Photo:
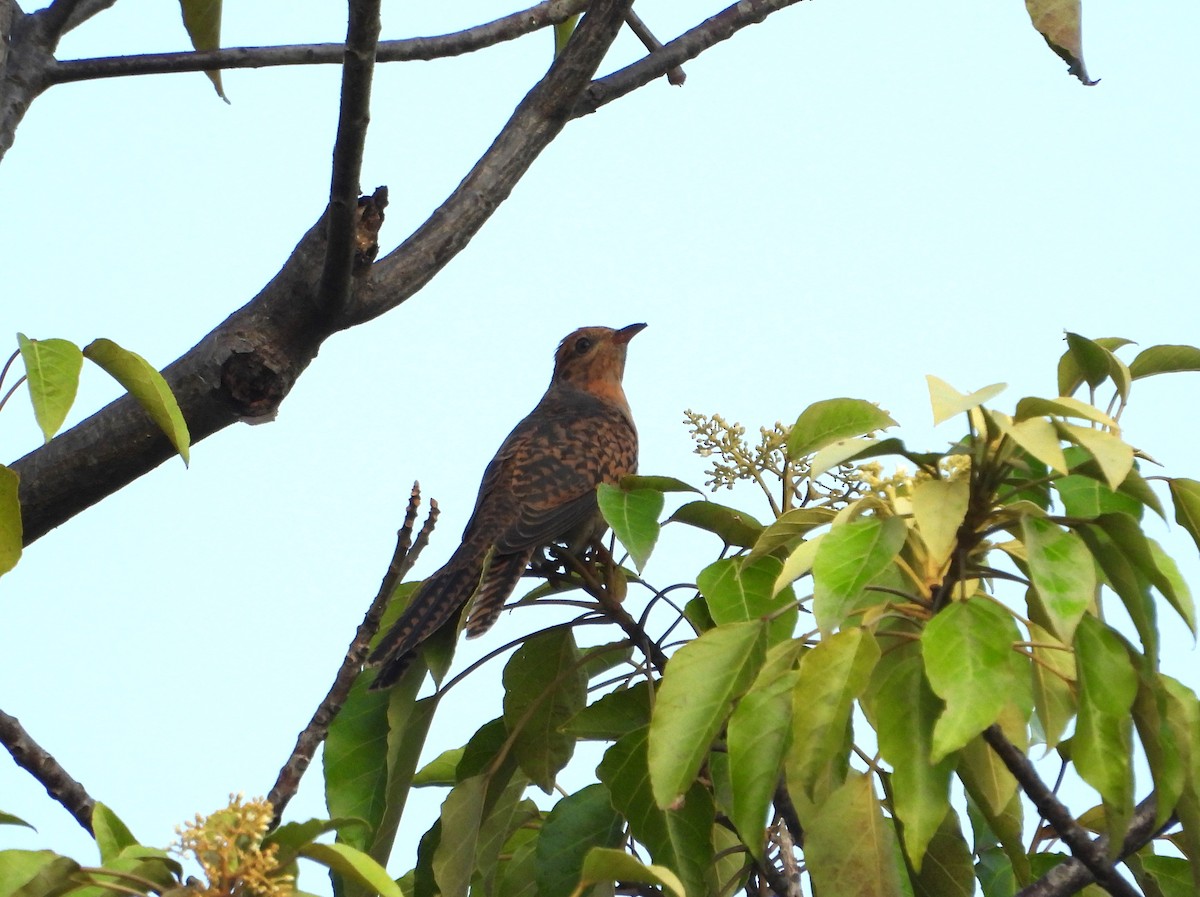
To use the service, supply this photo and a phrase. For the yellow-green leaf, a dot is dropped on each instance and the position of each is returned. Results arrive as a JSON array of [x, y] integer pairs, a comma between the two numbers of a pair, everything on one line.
[[353, 865], [1037, 436], [948, 402], [939, 507], [849, 847], [1164, 360], [788, 529], [1063, 406], [52, 369], [1058, 21], [147, 386], [850, 557], [604, 864], [202, 19], [1112, 454], [11, 537]]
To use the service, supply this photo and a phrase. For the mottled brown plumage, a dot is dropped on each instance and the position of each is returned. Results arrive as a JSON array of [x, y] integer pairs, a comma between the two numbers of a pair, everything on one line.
[[539, 490]]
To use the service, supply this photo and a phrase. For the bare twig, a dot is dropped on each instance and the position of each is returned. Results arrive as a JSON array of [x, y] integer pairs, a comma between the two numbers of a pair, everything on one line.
[[510, 27], [314, 733], [35, 760], [362, 36], [675, 76], [1091, 853], [62, 15]]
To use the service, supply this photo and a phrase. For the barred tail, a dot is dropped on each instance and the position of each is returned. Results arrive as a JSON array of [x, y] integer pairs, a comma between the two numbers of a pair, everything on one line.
[[436, 600], [499, 580]]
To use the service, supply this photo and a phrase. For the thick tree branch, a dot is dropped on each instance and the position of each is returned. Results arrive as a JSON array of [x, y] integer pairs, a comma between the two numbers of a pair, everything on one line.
[[1072, 875], [245, 367], [314, 733], [63, 15], [510, 27], [35, 760], [362, 36], [1092, 854]]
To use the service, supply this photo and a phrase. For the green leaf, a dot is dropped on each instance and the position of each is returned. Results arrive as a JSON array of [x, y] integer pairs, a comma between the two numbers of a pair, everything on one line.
[[1091, 359], [1086, 497], [759, 731], [614, 714], [1185, 494], [695, 698], [1007, 827], [462, 814], [1165, 360], [940, 506], [291, 836], [733, 526], [948, 402], [1180, 595], [147, 386], [903, 709], [353, 865], [202, 19], [850, 557], [112, 835], [606, 865], [35, 873], [408, 722], [947, 870], [1129, 538], [972, 666], [849, 847], [517, 875], [355, 756], [1053, 681], [544, 687], [1130, 585], [832, 677], [441, 770], [577, 824], [680, 838], [739, 590], [11, 532], [789, 529], [1062, 571], [52, 367], [823, 423], [1164, 752], [633, 517], [1103, 744], [633, 481], [840, 452], [10, 819], [1173, 875]]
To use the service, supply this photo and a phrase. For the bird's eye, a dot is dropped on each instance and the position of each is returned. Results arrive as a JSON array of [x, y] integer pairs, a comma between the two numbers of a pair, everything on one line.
[[582, 345]]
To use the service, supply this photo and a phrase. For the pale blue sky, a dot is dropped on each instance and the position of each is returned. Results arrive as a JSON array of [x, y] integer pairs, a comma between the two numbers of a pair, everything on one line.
[[840, 201]]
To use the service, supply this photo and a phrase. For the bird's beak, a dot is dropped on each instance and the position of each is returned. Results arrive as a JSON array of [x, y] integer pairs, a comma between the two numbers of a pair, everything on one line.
[[625, 334]]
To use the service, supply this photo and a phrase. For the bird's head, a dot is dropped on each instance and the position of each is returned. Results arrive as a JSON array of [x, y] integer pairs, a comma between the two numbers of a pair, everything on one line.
[[593, 359]]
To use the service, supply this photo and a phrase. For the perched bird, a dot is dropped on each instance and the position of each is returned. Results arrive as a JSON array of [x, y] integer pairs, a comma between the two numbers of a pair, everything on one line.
[[539, 490]]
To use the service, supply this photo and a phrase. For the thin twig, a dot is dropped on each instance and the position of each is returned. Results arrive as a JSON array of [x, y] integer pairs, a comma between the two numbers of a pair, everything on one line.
[[38, 762], [510, 27], [1091, 853], [687, 46], [341, 218], [314, 733], [675, 76]]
